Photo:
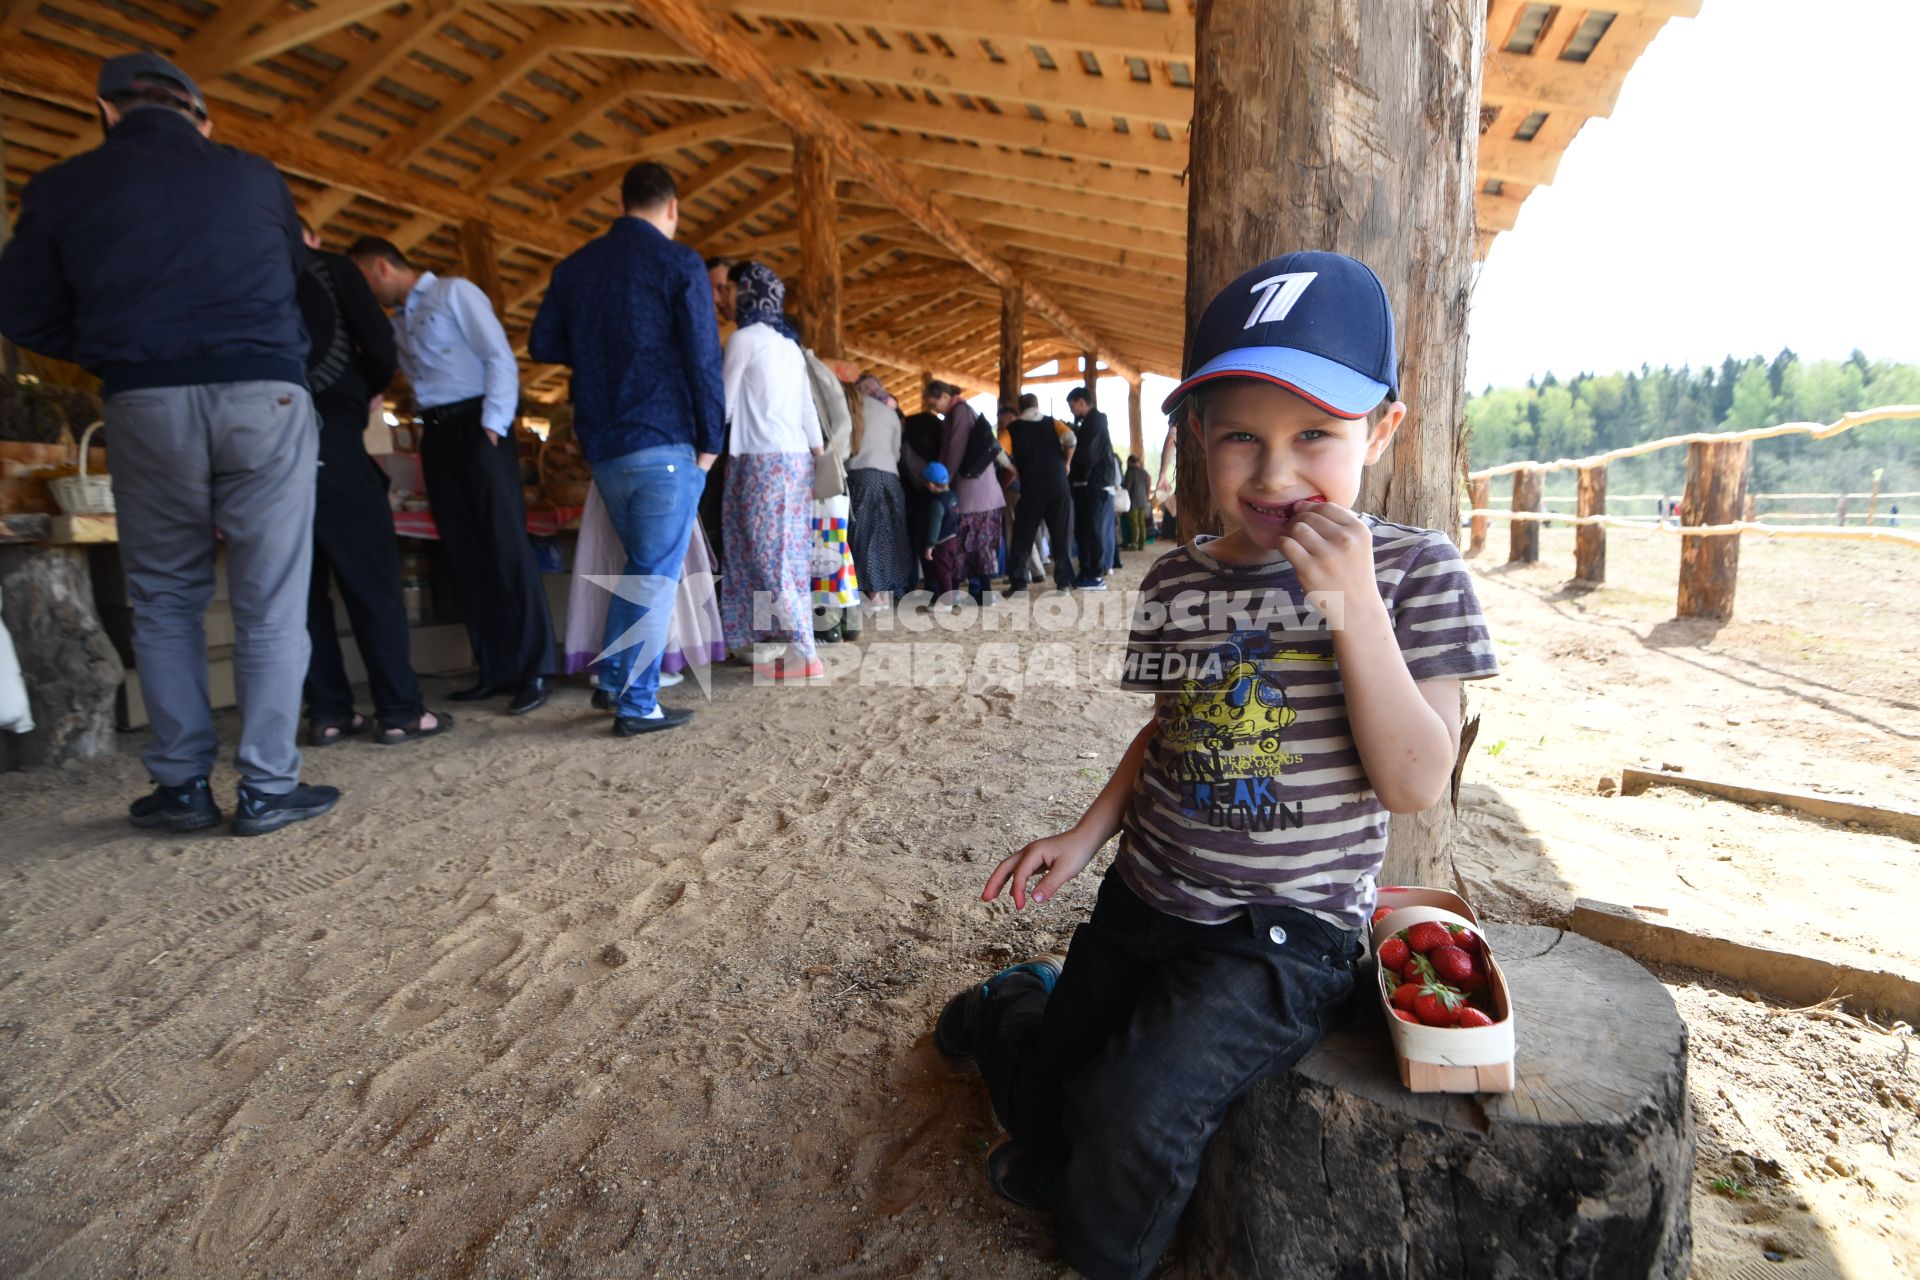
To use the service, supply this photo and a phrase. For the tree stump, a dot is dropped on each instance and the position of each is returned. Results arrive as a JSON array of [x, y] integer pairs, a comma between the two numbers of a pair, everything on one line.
[[71, 668], [1584, 1171]]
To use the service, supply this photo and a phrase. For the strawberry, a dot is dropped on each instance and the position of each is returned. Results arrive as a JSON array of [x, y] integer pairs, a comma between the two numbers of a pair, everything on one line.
[[1454, 966], [1468, 1016], [1464, 938], [1404, 995], [1381, 914], [1437, 1005], [1427, 935], [1404, 1016], [1417, 969], [1393, 954]]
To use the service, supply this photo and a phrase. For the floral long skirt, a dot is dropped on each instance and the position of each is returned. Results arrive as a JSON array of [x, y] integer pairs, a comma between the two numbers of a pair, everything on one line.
[[766, 517], [980, 543], [882, 549]]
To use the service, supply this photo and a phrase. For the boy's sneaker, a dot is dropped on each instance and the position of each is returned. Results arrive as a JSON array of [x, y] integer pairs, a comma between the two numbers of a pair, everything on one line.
[[258, 813], [184, 808], [953, 1033], [1091, 584], [1020, 1176]]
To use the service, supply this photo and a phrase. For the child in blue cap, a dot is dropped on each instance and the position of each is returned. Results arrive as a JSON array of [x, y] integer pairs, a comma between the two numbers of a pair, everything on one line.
[[1306, 668], [940, 535]]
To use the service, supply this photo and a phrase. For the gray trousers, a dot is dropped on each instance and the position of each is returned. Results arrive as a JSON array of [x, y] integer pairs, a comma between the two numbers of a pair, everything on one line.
[[239, 457]]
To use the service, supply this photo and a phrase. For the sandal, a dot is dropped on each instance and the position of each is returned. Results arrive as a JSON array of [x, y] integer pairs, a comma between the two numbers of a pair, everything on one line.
[[392, 735], [324, 733], [787, 671]]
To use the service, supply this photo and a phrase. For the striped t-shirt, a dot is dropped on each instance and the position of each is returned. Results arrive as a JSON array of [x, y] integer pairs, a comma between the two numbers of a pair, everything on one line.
[[1252, 789]]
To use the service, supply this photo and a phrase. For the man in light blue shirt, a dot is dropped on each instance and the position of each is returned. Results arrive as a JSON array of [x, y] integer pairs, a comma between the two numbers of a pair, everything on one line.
[[466, 385]]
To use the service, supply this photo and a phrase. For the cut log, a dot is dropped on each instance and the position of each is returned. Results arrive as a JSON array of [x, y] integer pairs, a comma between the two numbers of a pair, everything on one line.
[[1590, 540], [1585, 1170], [71, 669], [1716, 494]]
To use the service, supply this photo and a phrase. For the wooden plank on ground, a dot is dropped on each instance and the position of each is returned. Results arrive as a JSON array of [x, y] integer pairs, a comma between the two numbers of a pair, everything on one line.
[[1904, 822]]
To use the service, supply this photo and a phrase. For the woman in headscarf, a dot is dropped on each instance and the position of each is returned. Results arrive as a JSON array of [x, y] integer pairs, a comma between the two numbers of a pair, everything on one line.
[[773, 437], [882, 551]]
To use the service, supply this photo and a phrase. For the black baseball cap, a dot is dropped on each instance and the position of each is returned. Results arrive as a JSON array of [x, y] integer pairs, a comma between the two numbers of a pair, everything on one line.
[[1318, 324], [117, 75]]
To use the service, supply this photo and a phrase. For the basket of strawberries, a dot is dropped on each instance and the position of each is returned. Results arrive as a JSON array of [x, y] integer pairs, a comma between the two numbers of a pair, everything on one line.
[[1444, 995]]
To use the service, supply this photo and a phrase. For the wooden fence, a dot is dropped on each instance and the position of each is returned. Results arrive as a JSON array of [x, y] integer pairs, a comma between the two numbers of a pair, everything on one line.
[[1715, 508]]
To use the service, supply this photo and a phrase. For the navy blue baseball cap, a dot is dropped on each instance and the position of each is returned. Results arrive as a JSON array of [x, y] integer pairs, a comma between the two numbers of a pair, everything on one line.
[[1318, 324], [119, 74]]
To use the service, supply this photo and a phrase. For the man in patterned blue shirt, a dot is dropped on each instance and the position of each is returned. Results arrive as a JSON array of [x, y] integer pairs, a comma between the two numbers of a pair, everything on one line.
[[632, 314]]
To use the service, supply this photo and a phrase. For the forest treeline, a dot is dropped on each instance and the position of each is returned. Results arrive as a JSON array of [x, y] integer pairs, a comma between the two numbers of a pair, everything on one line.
[[1592, 413]]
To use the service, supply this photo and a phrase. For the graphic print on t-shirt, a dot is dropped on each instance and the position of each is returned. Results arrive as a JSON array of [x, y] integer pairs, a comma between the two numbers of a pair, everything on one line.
[[1228, 735]]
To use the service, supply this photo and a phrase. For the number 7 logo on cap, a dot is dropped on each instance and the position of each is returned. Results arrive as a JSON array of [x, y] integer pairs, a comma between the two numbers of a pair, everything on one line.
[[1278, 294]]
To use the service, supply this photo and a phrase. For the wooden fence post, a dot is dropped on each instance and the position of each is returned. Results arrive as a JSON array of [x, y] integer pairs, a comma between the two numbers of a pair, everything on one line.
[[1716, 493], [1523, 536], [1873, 498], [1590, 540], [1479, 497], [1840, 513]]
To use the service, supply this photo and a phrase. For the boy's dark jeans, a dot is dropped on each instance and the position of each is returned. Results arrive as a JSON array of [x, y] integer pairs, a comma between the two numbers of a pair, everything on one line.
[[1156, 1025]]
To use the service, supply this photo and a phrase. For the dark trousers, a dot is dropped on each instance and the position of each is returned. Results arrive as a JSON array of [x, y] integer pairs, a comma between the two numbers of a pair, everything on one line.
[[474, 489], [354, 544], [1033, 510], [944, 566], [1093, 524], [1121, 1078]]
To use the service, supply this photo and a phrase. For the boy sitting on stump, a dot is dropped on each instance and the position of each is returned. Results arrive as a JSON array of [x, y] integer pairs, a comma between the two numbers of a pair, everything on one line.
[[1307, 669]]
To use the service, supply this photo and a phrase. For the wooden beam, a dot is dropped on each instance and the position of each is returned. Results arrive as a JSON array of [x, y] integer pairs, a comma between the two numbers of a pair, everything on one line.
[[458, 107], [819, 210], [906, 284], [861, 348], [736, 127], [1020, 132], [1498, 213], [787, 96], [1125, 184], [1511, 160], [735, 217], [837, 56], [790, 234], [283, 33], [209, 53], [541, 138], [1583, 88], [1106, 32], [34, 67], [363, 72]]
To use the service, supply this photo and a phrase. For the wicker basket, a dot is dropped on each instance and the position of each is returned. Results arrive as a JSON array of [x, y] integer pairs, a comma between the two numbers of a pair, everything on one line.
[[84, 495]]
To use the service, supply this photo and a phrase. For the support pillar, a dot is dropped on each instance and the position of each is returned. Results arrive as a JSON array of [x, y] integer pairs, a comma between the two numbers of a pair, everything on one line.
[[1523, 536], [819, 214], [1716, 493], [1590, 540], [1090, 375], [482, 262], [1136, 434], [1480, 498], [1013, 325], [1282, 89]]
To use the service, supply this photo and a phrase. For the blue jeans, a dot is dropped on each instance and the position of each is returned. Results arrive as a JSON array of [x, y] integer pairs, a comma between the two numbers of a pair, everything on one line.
[[652, 497], [1117, 1082]]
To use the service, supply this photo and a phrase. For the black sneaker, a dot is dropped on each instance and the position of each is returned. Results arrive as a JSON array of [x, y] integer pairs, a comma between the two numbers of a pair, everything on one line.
[[184, 808], [258, 813], [953, 1033], [1021, 1176], [634, 726]]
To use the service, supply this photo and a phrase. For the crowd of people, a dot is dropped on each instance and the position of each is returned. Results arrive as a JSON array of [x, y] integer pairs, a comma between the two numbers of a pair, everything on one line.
[[240, 361]]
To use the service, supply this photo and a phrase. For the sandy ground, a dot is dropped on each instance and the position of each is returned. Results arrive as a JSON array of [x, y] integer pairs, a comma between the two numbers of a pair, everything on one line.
[[536, 1001]]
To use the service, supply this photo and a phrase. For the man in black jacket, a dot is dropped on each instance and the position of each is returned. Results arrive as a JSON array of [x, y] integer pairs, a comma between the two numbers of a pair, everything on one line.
[[351, 362], [1041, 448], [165, 264], [1090, 475]]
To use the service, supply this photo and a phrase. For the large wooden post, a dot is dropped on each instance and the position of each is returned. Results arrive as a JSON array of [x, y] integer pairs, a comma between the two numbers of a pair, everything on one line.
[[1590, 540], [819, 208], [1308, 136], [1716, 494], [1090, 375], [1523, 536], [482, 261], [1013, 359], [1136, 433], [9, 356], [1480, 498]]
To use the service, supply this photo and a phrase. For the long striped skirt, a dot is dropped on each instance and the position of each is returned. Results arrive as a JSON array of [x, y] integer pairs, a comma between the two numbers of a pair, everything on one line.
[[766, 515]]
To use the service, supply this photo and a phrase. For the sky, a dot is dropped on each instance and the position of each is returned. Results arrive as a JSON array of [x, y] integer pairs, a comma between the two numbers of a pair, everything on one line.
[[1754, 188]]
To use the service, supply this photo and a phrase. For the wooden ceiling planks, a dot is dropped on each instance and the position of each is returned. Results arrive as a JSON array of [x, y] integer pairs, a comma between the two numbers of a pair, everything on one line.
[[1047, 135]]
